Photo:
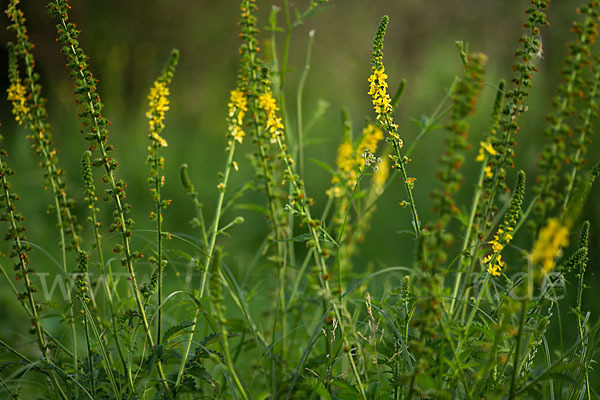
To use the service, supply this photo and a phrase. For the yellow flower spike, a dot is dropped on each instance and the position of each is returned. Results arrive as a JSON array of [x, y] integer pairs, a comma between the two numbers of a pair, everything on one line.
[[274, 125], [17, 96], [549, 244], [345, 161], [237, 107], [158, 105]]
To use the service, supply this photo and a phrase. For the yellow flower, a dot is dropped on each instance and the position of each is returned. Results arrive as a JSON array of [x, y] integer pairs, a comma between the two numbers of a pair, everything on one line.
[[488, 172], [158, 106], [349, 158], [495, 268], [237, 107], [549, 244], [345, 161], [159, 139], [16, 95], [487, 147], [378, 91], [274, 125], [370, 138]]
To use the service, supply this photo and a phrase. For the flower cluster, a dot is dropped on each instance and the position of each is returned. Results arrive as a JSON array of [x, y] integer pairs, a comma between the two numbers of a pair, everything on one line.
[[350, 158], [504, 234], [383, 107], [237, 108], [159, 100], [159, 105], [274, 126], [370, 138], [378, 85], [16, 95], [488, 148], [81, 277], [549, 244], [378, 92]]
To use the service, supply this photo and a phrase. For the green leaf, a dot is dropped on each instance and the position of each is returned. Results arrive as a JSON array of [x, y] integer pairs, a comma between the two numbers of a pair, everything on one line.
[[252, 207], [175, 330], [318, 387], [323, 165]]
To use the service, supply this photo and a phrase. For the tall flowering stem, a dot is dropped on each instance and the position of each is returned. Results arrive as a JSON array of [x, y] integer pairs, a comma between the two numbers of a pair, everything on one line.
[[504, 233], [383, 108], [158, 99], [575, 86], [237, 109], [19, 252], [464, 100], [29, 108], [97, 133], [89, 192], [265, 125], [514, 105], [498, 148], [269, 128]]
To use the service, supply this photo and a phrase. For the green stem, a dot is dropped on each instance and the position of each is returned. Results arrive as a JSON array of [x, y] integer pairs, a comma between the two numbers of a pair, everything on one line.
[[408, 185], [468, 231], [299, 94], [159, 208], [217, 218], [515, 371], [90, 356], [472, 314], [211, 247], [322, 267]]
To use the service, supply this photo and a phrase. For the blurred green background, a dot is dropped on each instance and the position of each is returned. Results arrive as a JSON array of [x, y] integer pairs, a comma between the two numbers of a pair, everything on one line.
[[128, 43]]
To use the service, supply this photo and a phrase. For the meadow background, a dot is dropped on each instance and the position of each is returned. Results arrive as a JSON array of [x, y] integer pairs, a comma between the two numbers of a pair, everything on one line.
[[129, 42]]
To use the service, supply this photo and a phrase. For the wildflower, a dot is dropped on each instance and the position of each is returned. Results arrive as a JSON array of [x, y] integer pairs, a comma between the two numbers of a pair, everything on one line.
[[378, 91], [159, 105], [350, 159], [345, 161], [17, 95], [495, 265], [274, 125], [371, 137], [504, 234], [487, 147], [549, 244], [238, 105]]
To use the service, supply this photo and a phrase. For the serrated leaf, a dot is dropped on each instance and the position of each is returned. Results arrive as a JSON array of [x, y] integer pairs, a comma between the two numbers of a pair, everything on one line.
[[175, 330]]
